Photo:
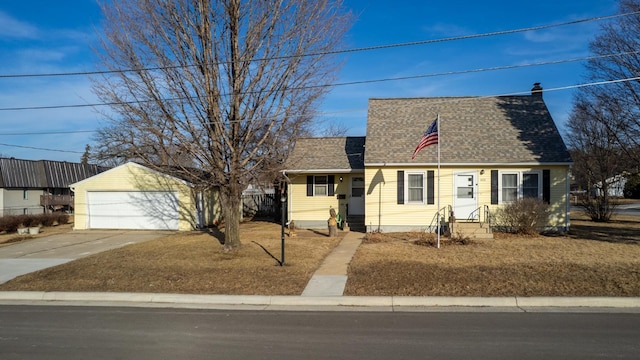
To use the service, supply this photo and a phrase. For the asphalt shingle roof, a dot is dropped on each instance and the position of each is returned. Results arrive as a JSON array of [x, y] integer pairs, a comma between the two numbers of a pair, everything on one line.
[[500, 129], [327, 153]]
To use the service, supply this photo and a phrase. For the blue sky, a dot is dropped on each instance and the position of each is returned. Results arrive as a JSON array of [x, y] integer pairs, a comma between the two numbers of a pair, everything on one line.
[[41, 36]]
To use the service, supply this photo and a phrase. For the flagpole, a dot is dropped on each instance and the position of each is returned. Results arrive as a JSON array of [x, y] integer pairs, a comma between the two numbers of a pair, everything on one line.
[[439, 139]]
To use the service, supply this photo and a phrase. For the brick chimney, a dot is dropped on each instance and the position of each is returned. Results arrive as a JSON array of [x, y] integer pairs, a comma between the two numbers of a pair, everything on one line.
[[536, 90]]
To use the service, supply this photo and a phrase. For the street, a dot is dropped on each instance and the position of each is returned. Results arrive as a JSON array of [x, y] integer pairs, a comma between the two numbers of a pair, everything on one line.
[[57, 332]]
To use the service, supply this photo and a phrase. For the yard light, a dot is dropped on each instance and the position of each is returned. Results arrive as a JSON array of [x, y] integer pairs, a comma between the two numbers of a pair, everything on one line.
[[283, 198]]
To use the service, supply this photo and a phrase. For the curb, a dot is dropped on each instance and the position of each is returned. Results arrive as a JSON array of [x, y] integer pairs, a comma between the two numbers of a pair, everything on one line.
[[301, 303]]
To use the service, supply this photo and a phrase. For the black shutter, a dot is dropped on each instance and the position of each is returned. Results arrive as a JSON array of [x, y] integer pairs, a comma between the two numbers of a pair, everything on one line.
[[331, 180], [400, 187], [309, 185], [430, 187], [546, 186], [494, 187]]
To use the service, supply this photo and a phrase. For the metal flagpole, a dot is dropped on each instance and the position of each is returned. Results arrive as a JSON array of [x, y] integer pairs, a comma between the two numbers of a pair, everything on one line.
[[439, 216]]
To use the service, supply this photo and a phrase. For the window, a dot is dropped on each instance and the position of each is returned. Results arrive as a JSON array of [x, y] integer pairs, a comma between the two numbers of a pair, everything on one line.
[[509, 187], [415, 187], [25, 194], [320, 186], [530, 184], [517, 185]]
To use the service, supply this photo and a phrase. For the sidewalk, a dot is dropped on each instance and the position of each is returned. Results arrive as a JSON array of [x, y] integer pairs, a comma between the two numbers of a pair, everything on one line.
[[331, 277]]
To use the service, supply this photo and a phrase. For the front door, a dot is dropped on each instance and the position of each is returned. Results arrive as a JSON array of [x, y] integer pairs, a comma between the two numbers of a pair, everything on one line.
[[356, 200], [465, 196]]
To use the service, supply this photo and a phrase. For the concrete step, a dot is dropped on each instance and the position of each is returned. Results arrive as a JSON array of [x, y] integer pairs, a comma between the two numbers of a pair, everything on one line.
[[471, 230]]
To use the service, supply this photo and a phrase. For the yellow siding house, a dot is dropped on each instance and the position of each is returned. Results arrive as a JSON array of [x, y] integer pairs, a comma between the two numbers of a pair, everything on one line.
[[490, 152]]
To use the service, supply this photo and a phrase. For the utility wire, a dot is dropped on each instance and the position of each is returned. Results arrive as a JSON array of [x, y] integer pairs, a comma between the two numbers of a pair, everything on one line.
[[443, 99], [349, 83], [360, 49], [39, 148]]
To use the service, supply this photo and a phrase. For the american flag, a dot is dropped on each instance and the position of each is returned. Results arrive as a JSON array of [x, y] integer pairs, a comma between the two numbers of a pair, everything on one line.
[[430, 137]]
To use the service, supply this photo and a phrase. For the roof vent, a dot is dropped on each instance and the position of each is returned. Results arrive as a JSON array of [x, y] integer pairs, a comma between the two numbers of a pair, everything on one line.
[[536, 90]]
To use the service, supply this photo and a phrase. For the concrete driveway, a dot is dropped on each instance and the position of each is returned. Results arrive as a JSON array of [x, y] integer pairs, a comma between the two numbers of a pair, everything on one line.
[[37, 254]]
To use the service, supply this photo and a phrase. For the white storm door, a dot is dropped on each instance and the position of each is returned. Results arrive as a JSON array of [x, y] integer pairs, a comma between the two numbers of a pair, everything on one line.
[[133, 210], [465, 196], [356, 200]]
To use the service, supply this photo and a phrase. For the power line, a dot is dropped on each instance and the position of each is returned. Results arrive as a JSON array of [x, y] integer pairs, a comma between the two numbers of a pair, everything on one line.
[[447, 99], [360, 82], [39, 148], [48, 132], [359, 49]]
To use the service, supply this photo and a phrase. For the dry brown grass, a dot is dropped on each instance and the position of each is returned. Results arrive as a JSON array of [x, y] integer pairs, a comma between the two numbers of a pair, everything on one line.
[[192, 263], [594, 260], [10, 238]]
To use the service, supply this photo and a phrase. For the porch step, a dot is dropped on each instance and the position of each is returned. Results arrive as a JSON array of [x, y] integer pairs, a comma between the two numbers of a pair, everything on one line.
[[472, 230], [356, 223]]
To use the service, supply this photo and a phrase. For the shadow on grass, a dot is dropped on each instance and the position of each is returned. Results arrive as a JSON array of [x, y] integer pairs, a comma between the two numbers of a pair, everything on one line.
[[622, 232], [216, 233]]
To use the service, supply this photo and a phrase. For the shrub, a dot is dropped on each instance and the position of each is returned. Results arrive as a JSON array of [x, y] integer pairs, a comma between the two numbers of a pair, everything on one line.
[[62, 218], [524, 216], [632, 187], [598, 208], [10, 223]]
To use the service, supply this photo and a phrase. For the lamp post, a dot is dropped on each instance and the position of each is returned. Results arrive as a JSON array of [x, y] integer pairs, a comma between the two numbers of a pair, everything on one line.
[[283, 198]]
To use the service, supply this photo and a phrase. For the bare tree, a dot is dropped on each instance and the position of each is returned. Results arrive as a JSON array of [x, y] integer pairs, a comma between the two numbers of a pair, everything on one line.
[[223, 86], [620, 37], [335, 129], [596, 153]]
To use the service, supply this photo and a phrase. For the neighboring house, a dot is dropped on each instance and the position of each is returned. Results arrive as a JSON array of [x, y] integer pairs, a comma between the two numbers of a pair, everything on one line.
[[493, 150], [132, 196], [615, 186], [35, 187]]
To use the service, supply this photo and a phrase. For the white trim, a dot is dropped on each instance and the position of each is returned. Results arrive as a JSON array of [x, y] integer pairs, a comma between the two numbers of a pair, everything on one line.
[[468, 164], [519, 179], [423, 173], [323, 171], [130, 163], [326, 185]]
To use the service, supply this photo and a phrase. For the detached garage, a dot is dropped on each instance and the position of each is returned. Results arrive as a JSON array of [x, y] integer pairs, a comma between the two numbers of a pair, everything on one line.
[[132, 196]]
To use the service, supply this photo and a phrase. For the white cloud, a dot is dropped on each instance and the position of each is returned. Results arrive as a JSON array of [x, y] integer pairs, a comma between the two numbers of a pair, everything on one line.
[[13, 28]]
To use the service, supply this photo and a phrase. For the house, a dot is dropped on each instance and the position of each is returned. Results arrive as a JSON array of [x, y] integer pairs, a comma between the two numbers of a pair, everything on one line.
[[493, 150], [615, 186], [35, 187], [326, 173], [132, 196]]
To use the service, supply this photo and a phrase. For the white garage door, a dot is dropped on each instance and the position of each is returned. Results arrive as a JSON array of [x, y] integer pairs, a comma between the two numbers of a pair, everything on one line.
[[133, 210]]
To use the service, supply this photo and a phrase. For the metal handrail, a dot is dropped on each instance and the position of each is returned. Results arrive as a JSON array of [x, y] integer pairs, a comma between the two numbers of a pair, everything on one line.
[[436, 216], [472, 215], [487, 217]]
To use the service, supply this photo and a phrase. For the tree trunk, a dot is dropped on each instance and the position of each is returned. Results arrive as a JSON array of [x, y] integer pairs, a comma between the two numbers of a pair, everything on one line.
[[231, 210]]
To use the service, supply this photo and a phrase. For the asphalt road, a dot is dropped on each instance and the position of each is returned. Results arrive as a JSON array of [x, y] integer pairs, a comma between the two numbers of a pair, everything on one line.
[[40, 332]]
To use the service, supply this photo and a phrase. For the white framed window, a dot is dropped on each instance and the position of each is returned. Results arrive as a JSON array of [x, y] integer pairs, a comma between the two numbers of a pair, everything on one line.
[[518, 184], [320, 184], [509, 187], [531, 185], [25, 194], [415, 184]]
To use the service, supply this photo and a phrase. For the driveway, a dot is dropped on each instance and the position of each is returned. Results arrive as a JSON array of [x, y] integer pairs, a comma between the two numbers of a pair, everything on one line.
[[37, 254]]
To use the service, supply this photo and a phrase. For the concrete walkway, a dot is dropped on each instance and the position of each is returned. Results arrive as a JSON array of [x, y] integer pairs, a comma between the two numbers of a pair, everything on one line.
[[331, 277], [37, 254]]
